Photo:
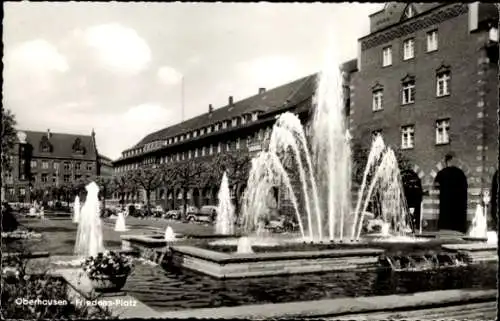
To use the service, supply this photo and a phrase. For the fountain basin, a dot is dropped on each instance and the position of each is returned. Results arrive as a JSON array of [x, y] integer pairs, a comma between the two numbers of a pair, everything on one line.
[[475, 252], [225, 266]]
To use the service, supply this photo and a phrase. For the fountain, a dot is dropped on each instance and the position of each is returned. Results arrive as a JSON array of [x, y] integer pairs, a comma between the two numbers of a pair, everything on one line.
[[317, 179], [169, 234], [120, 223], [479, 228], [76, 209], [244, 245], [89, 240], [224, 224]]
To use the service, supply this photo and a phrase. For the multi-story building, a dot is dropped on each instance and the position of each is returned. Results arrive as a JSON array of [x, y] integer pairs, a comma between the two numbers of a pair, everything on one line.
[[426, 80], [43, 159], [106, 165], [240, 126]]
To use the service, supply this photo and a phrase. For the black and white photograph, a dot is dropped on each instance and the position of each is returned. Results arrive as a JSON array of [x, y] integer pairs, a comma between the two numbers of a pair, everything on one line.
[[252, 161]]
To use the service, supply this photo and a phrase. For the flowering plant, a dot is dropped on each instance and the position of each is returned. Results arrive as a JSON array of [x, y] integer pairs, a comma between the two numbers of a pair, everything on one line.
[[108, 263]]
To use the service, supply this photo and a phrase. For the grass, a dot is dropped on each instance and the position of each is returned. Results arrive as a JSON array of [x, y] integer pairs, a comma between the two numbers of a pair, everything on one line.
[[58, 236]]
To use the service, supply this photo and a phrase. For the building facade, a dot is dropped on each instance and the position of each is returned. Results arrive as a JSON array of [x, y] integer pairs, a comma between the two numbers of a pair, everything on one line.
[[44, 159], [427, 81]]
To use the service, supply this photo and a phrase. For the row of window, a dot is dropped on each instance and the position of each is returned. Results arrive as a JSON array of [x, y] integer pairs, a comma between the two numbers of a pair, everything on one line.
[[211, 149], [408, 134], [409, 48], [45, 178], [236, 121], [443, 80], [67, 166]]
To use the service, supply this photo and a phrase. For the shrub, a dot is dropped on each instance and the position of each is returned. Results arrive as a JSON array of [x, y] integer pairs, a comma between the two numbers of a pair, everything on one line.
[[18, 285], [108, 263]]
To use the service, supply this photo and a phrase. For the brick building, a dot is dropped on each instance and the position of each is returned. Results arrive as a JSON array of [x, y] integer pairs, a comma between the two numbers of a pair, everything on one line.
[[427, 81], [44, 159], [239, 127]]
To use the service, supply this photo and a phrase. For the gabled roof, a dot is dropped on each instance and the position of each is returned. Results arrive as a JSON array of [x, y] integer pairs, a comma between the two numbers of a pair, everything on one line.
[[270, 100], [62, 145]]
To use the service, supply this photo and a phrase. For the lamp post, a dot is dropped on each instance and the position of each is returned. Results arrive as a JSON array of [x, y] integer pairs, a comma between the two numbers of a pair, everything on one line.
[[486, 202], [413, 221]]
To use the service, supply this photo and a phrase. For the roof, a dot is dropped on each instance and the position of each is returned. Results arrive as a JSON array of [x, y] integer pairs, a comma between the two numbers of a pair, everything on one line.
[[61, 145], [102, 157], [293, 93]]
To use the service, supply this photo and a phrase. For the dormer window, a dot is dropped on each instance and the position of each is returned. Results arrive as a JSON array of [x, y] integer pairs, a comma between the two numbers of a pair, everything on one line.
[[188, 135], [202, 131], [175, 139], [217, 126], [45, 145], [235, 122], [224, 124], [409, 12], [78, 146], [254, 116]]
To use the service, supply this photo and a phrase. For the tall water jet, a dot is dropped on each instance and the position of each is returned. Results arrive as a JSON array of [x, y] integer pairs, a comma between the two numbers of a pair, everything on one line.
[[316, 173], [89, 240], [76, 209], [479, 228], [225, 219], [120, 225]]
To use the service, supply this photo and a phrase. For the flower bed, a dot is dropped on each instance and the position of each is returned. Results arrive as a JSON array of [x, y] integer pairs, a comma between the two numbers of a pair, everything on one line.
[[20, 235], [108, 271]]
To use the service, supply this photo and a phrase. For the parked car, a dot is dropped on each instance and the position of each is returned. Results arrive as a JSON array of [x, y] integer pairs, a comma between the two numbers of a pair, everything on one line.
[[209, 210], [282, 224], [206, 214], [172, 214], [158, 211]]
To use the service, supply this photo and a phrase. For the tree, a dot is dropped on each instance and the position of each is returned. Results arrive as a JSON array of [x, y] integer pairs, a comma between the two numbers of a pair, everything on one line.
[[121, 185], [105, 186], [237, 167], [186, 175], [9, 137], [149, 179]]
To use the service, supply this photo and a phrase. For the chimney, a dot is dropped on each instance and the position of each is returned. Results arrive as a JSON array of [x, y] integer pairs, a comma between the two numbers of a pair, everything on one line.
[[48, 133], [262, 90], [230, 100], [210, 108]]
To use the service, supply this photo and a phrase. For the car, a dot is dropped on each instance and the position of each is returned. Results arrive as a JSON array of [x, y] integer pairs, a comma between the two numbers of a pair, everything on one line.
[[158, 211], [172, 214], [282, 224], [207, 213]]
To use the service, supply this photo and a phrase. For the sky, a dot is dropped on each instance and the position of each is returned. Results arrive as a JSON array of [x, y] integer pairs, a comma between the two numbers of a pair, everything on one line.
[[118, 68]]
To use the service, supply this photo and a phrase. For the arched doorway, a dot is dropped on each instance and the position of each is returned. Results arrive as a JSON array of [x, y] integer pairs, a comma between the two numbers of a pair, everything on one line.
[[452, 185], [412, 186], [494, 202]]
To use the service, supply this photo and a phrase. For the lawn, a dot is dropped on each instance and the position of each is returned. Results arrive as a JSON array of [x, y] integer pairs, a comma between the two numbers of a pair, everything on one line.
[[59, 234]]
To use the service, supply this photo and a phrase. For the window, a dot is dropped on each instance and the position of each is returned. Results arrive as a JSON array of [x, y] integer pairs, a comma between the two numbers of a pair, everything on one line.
[[443, 84], [89, 166], [219, 147], [209, 129], [442, 131], [217, 127], [66, 178], [237, 143], [409, 12], [22, 191], [67, 166], [224, 124], [378, 98], [190, 154], [44, 178], [228, 146], [78, 177], [33, 163], [196, 152], [432, 41], [493, 34], [77, 166], [203, 151], [407, 137], [211, 150], [175, 139], [202, 131], [408, 95], [408, 49], [235, 122], [56, 165], [45, 164], [54, 178], [387, 56]]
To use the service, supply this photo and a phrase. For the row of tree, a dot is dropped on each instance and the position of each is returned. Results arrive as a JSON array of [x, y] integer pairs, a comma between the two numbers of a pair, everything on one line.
[[181, 175]]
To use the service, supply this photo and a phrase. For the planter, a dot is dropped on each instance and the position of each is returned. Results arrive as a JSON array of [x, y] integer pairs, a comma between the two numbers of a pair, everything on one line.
[[108, 283]]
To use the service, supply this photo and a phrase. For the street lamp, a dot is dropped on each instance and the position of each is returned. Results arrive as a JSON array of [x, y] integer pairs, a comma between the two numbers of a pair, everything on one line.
[[486, 202]]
